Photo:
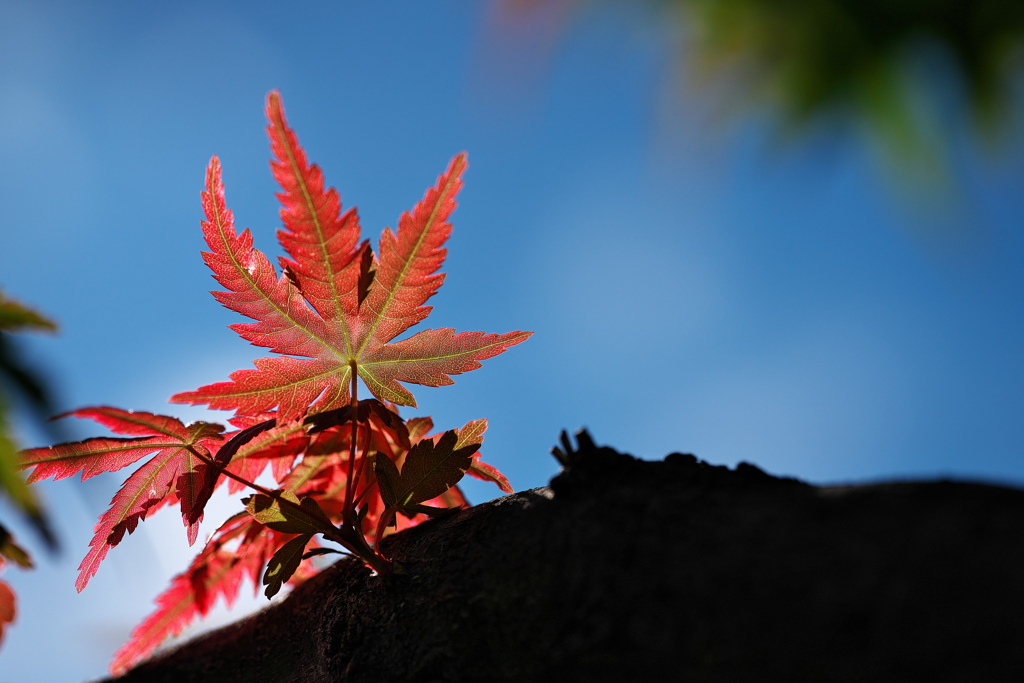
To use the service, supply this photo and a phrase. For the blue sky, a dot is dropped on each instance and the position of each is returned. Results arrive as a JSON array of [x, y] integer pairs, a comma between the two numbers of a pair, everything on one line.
[[692, 285]]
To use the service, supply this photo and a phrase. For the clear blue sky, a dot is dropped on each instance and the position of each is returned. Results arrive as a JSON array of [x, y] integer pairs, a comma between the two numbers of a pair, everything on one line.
[[692, 286]]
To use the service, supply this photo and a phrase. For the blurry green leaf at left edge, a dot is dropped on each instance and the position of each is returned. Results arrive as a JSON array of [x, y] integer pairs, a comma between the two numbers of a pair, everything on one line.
[[15, 317], [10, 481], [15, 487], [17, 376]]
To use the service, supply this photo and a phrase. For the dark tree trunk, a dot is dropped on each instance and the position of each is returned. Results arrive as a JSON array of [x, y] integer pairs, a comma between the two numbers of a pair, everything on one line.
[[628, 570]]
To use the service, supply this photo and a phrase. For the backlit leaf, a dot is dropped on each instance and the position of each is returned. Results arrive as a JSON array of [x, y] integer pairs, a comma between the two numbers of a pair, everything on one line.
[[299, 517], [473, 433], [284, 563], [431, 469], [333, 318], [174, 468]]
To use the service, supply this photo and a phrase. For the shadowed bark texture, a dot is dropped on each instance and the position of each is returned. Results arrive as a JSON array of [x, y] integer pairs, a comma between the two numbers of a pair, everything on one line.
[[626, 570]]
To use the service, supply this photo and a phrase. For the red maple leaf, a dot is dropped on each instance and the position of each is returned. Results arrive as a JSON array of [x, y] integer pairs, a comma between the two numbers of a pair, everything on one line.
[[336, 308], [176, 472]]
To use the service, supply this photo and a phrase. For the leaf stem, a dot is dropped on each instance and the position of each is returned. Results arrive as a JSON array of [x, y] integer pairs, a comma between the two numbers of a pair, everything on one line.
[[231, 475], [348, 512], [382, 524]]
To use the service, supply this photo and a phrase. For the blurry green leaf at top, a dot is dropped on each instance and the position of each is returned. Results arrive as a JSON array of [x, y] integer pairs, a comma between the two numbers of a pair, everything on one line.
[[809, 58]]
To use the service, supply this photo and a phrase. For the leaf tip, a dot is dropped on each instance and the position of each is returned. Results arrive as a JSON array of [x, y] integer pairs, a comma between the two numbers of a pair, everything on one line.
[[275, 114], [213, 173]]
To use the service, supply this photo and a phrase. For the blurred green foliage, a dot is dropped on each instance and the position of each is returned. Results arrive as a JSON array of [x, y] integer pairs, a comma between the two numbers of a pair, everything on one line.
[[21, 382], [813, 54], [864, 59]]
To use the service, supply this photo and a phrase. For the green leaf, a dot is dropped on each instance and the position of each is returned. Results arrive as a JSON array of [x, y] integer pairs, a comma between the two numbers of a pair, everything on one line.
[[298, 517], [13, 485], [284, 563]]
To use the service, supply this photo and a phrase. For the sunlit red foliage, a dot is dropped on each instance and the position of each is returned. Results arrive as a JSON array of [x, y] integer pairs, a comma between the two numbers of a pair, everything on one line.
[[350, 471]]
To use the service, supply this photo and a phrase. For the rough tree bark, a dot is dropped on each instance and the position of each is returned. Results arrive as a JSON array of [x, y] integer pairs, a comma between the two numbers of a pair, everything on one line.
[[627, 570]]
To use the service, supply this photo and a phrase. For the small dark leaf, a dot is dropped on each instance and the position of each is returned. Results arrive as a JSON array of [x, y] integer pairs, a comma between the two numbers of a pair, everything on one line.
[[286, 514], [388, 479], [329, 418], [322, 551], [284, 563], [386, 415], [392, 421], [342, 416], [431, 469], [228, 450]]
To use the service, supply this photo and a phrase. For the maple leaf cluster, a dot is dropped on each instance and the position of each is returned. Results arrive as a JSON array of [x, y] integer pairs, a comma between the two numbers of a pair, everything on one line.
[[350, 471]]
